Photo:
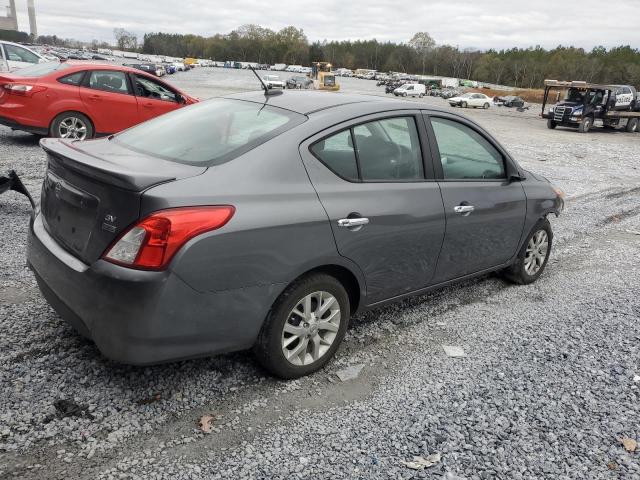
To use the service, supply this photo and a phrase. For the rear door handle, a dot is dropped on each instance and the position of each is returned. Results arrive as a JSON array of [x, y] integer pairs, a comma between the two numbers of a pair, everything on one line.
[[464, 209], [353, 222]]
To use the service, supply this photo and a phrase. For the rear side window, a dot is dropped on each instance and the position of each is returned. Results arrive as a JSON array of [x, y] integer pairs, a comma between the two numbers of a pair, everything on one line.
[[73, 79], [15, 53], [464, 153], [385, 150], [209, 133], [337, 153], [108, 81]]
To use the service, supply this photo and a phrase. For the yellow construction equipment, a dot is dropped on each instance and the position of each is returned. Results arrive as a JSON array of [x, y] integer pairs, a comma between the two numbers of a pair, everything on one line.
[[322, 77]]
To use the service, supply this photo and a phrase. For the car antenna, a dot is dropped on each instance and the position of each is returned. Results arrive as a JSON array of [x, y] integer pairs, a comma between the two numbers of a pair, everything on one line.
[[267, 92]]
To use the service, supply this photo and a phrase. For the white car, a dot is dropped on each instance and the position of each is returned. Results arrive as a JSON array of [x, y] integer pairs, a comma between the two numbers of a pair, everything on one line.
[[15, 56], [179, 66], [410, 90], [273, 81], [476, 100]]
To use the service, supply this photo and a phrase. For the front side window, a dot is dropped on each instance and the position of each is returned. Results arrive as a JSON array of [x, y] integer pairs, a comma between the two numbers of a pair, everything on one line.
[[108, 81], [15, 53], [464, 153], [147, 88], [209, 133]]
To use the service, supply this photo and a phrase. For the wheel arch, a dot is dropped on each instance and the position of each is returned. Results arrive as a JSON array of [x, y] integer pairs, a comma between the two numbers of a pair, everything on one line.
[[349, 280]]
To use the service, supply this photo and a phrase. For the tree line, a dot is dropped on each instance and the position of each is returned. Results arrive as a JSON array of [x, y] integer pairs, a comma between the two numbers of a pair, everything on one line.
[[518, 67]]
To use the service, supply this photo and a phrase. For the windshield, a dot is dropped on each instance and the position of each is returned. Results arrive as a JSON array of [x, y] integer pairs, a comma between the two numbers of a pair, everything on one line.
[[40, 69], [209, 133]]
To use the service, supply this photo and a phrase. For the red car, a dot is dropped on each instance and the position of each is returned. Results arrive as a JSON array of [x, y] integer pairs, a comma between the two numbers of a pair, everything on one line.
[[83, 100]]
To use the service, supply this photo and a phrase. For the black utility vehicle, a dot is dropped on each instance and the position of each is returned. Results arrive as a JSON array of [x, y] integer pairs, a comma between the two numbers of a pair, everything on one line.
[[588, 105]]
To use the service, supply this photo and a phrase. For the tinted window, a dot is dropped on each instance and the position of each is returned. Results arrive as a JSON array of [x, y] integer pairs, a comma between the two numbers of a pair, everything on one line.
[[464, 153], [73, 79], [145, 87], [209, 133], [40, 69], [336, 152], [108, 81], [20, 54], [389, 149]]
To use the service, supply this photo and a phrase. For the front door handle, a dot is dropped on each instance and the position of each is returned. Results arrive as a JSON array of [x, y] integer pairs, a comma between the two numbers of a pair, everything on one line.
[[353, 222], [464, 209]]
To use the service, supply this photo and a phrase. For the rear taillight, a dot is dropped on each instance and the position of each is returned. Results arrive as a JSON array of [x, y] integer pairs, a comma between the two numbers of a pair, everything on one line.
[[151, 243], [23, 89]]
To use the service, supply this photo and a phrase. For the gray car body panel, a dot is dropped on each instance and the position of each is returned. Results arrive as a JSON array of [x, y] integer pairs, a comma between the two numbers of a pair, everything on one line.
[[219, 288]]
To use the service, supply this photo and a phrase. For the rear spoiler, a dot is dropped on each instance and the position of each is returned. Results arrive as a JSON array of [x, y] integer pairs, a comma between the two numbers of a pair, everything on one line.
[[12, 182]]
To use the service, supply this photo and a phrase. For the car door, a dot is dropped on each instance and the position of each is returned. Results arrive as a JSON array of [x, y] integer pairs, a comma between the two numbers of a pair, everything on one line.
[[109, 101], [386, 213], [19, 57], [484, 206], [154, 97]]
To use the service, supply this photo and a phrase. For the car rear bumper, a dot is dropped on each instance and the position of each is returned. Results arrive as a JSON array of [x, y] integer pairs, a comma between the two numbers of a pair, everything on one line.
[[18, 125], [142, 317]]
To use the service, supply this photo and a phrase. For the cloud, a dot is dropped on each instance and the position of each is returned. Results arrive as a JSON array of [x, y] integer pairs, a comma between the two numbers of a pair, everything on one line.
[[476, 24]]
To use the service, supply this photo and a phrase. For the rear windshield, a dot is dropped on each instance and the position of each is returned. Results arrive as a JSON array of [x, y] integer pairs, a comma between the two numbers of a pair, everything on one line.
[[209, 133], [40, 69]]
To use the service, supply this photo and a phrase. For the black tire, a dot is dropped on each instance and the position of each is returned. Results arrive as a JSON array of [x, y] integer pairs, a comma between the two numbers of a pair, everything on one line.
[[586, 124], [404, 94], [632, 125], [268, 347], [463, 104], [486, 106], [55, 129], [551, 124], [517, 273]]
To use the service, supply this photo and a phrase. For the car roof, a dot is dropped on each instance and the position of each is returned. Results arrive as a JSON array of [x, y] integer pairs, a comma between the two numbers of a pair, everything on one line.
[[308, 102], [79, 65]]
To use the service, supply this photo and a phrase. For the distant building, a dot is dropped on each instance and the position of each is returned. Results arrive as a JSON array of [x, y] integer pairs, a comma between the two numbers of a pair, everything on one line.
[[10, 21]]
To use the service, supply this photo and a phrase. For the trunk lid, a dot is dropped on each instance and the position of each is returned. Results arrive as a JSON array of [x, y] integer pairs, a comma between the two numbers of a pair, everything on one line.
[[92, 191]]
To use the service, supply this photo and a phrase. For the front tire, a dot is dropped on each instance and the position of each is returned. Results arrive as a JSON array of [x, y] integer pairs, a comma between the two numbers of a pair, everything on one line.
[[585, 126], [632, 125], [463, 104], [551, 124], [72, 126], [304, 328], [486, 106], [533, 256]]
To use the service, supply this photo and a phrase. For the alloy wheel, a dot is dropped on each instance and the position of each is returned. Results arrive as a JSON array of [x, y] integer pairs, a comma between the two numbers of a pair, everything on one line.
[[311, 328], [536, 252], [73, 128]]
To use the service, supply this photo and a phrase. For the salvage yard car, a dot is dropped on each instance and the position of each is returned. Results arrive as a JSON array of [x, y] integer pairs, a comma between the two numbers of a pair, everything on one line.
[[273, 81], [266, 222], [18, 56], [476, 100], [83, 100], [410, 90]]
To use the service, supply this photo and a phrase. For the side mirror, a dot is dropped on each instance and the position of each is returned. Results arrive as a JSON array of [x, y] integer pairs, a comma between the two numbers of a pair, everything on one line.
[[516, 177], [180, 98]]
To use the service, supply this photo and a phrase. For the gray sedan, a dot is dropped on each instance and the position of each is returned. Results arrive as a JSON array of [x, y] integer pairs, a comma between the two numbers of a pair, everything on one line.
[[267, 222]]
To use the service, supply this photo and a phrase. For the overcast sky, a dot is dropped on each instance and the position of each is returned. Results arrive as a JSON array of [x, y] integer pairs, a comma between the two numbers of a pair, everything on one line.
[[477, 23]]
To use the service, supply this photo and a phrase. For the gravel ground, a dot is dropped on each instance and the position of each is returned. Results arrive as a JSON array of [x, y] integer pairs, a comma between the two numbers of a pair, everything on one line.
[[548, 387]]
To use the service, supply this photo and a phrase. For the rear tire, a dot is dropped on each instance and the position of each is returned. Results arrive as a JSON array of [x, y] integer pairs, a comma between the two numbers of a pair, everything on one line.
[[632, 125], [72, 126], [551, 124], [317, 333], [486, 106], [533, 256]]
